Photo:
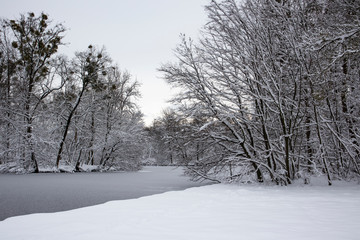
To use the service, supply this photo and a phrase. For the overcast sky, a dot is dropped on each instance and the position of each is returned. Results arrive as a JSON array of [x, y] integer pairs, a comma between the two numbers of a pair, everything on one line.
[[139, 35]]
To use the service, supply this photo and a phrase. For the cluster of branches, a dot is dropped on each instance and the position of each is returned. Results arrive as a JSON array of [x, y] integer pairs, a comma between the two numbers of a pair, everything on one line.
[[55, 111], [276, 84]]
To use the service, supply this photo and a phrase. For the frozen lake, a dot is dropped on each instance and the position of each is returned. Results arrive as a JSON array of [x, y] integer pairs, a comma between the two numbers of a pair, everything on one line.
[[41, 193]]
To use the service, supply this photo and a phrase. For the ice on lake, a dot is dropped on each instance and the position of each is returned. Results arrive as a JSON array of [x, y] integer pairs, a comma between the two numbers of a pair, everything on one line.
[[49, 192]]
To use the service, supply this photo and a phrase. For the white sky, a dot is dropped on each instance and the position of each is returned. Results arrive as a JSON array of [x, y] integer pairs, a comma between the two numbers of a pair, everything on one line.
[[139, 35]]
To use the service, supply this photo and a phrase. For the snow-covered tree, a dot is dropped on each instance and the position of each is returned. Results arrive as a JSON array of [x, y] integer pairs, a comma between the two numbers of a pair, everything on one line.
[[55, 111], [263, 75], [102, 124], [29, 80]]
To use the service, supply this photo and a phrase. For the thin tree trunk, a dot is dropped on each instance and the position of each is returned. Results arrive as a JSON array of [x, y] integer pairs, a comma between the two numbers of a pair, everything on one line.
[[67, 125], [91, 143], [322, 147], [108, 129]]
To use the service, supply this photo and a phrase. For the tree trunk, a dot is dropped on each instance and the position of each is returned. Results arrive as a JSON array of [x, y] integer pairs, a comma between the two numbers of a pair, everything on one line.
[[344, 102], [91, 143], [108, 129], [67, 125], [29, 129], [325, 164]]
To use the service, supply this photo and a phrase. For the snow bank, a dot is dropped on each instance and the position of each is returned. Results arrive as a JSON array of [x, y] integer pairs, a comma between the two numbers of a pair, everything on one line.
[[210, 212]]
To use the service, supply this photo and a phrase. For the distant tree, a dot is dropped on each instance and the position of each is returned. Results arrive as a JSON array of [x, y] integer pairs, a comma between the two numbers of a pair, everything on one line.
[[119, 116]]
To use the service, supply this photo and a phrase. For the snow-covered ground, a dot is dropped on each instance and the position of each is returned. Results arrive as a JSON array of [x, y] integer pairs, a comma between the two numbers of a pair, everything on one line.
[[209, 212]]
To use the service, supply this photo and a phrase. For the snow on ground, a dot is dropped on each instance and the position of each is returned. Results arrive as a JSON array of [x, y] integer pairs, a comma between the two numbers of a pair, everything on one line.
[[209, 212]]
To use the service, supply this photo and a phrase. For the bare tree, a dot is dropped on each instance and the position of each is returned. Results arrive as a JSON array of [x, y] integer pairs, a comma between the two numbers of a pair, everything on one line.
[[263, 70]]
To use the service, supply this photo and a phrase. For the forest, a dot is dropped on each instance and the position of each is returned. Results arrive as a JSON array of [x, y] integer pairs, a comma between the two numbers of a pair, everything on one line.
[[270, 92]]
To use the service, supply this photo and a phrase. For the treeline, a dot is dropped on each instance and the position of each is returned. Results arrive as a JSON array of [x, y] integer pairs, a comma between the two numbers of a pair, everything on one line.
[[271, 91], [57, 112]]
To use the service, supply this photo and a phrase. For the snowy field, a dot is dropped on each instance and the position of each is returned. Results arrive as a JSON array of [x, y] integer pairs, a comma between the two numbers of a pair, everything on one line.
[[208, 212]]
